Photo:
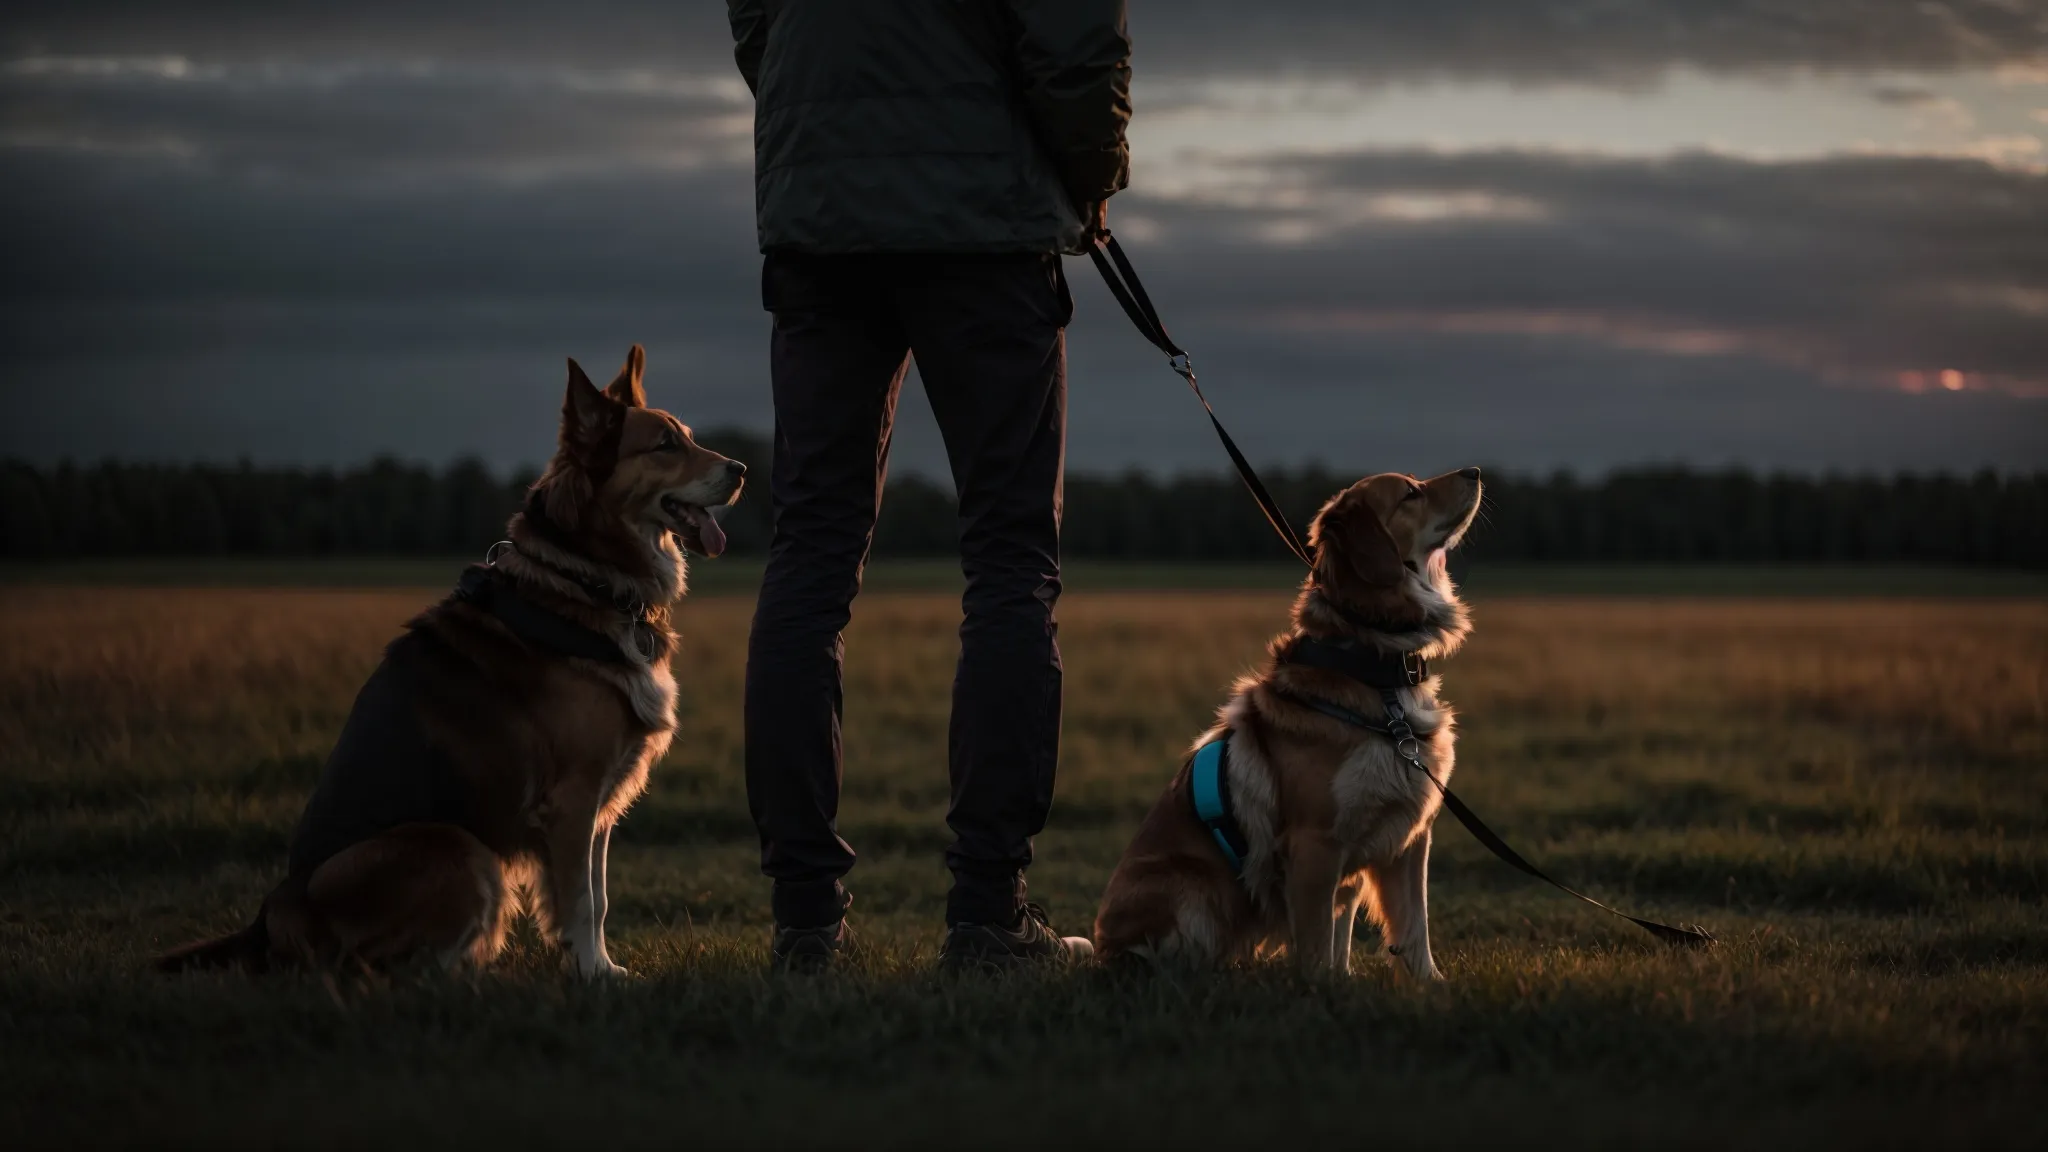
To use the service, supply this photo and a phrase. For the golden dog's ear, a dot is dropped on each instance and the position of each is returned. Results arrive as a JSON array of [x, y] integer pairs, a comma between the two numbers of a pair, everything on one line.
[[626, 388], [590, 419], [1354, 550]]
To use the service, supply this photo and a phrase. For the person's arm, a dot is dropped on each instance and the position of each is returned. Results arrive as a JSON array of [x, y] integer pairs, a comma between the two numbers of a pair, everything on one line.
[[1075, 60], [749, 37]]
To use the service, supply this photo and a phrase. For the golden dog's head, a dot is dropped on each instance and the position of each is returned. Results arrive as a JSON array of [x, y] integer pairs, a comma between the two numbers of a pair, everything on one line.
[[622, 464], [1379, 546]]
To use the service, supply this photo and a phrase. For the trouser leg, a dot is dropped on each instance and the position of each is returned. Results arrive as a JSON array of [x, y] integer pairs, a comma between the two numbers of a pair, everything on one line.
[[837, 358], [989, 337]]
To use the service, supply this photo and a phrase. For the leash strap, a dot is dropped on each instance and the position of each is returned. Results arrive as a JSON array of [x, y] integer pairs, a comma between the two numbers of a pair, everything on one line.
[[1409, 748], [1130, 293]]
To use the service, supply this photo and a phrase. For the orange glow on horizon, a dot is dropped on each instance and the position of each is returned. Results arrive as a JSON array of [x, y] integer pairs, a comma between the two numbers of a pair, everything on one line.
[[1952, 380]]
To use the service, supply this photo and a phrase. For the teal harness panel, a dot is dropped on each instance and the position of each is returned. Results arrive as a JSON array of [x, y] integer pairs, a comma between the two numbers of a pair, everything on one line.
[[1209, 785]]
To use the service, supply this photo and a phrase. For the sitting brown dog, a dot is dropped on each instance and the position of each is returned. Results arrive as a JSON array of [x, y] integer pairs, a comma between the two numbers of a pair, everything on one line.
[[1299, 805], [484, 763]]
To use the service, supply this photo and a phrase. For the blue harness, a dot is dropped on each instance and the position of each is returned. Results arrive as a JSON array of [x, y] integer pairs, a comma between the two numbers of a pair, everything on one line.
[[1208, 783]]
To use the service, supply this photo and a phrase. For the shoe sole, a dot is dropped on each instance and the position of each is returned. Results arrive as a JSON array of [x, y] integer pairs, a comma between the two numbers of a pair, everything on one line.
[[807, 961], [1080, 950]]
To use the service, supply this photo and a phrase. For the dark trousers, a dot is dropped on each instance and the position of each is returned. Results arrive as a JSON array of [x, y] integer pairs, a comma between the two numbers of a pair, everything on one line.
[[989, 336]]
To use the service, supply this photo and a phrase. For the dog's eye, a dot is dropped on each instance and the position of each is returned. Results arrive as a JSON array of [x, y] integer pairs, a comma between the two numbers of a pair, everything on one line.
[[1414, 493]]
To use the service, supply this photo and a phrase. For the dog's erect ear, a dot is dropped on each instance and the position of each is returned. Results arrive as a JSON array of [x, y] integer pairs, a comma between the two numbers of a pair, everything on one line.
[[626, 388], [589, 417]]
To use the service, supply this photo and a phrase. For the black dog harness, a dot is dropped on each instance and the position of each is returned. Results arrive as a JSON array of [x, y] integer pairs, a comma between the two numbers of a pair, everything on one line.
[[385, 770], [496, 593]]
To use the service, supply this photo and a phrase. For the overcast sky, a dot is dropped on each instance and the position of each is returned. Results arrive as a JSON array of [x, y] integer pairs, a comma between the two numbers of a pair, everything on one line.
[[1801, 234]]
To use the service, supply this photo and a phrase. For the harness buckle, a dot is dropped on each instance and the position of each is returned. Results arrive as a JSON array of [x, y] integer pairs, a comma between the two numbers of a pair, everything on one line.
[[1415, 668]]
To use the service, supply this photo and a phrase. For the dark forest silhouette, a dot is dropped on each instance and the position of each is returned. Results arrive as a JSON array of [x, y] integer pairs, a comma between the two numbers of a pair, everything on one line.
[[1641, 515]]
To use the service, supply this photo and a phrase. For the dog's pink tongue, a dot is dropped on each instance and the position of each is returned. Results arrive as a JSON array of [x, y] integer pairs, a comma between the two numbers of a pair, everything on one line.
[[708, 528]]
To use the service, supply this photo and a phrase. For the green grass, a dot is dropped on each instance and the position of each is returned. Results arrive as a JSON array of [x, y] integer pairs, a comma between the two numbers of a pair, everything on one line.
[[1854, 795]]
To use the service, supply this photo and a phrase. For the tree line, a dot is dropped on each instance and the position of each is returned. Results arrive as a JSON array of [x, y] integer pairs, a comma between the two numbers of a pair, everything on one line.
[[1640, 515]]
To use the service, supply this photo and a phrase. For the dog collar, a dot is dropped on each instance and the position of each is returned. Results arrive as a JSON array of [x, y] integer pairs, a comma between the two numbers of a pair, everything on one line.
[[496, 593], [1372, 668], [600, 592], [1209, 785]]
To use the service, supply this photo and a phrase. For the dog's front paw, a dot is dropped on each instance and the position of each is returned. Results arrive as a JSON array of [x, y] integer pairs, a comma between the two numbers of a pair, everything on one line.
[[602, 968], [1422, 969]]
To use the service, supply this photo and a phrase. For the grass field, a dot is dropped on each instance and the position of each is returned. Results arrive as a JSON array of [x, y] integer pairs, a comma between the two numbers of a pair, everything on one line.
[[1853, 794]]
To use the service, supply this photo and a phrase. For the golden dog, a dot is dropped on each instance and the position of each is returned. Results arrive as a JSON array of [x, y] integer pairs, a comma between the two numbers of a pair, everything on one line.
[[1327, 816]]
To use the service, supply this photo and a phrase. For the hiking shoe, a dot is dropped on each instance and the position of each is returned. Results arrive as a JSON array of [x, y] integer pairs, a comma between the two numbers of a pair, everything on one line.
[[1030, 941], [811, 949]]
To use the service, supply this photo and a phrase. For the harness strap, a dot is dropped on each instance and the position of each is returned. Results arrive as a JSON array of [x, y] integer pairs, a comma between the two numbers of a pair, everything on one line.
[[496, 594], [1209, 786], [1334, 711]]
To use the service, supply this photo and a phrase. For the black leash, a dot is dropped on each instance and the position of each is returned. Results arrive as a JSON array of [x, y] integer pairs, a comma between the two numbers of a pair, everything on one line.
[[1124, 285], [1130, 293], [1409, 748]]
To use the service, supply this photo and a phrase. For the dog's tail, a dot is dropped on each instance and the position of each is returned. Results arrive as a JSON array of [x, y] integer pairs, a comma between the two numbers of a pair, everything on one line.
[[277, 931], [244, 949]]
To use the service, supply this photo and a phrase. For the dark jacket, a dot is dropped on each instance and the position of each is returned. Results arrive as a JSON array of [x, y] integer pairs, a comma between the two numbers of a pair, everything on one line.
[[933, 125]]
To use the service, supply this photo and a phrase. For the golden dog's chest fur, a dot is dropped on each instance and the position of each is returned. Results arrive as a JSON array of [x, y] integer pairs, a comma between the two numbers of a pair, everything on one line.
[[1333, 818]]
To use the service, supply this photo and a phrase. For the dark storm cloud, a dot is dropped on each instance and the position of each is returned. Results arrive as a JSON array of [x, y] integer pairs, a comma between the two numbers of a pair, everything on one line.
[[1905, 95], [1624, 42], [94, 227], [1522, 308], [367, 122], [1593, 41], [1856, 267], [500, 31]]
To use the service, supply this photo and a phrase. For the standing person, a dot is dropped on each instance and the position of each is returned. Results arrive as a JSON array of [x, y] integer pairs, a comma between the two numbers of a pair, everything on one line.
[[919, 168]]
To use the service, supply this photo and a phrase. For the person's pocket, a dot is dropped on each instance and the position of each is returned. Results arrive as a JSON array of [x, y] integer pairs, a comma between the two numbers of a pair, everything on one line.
[[800, 282]]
